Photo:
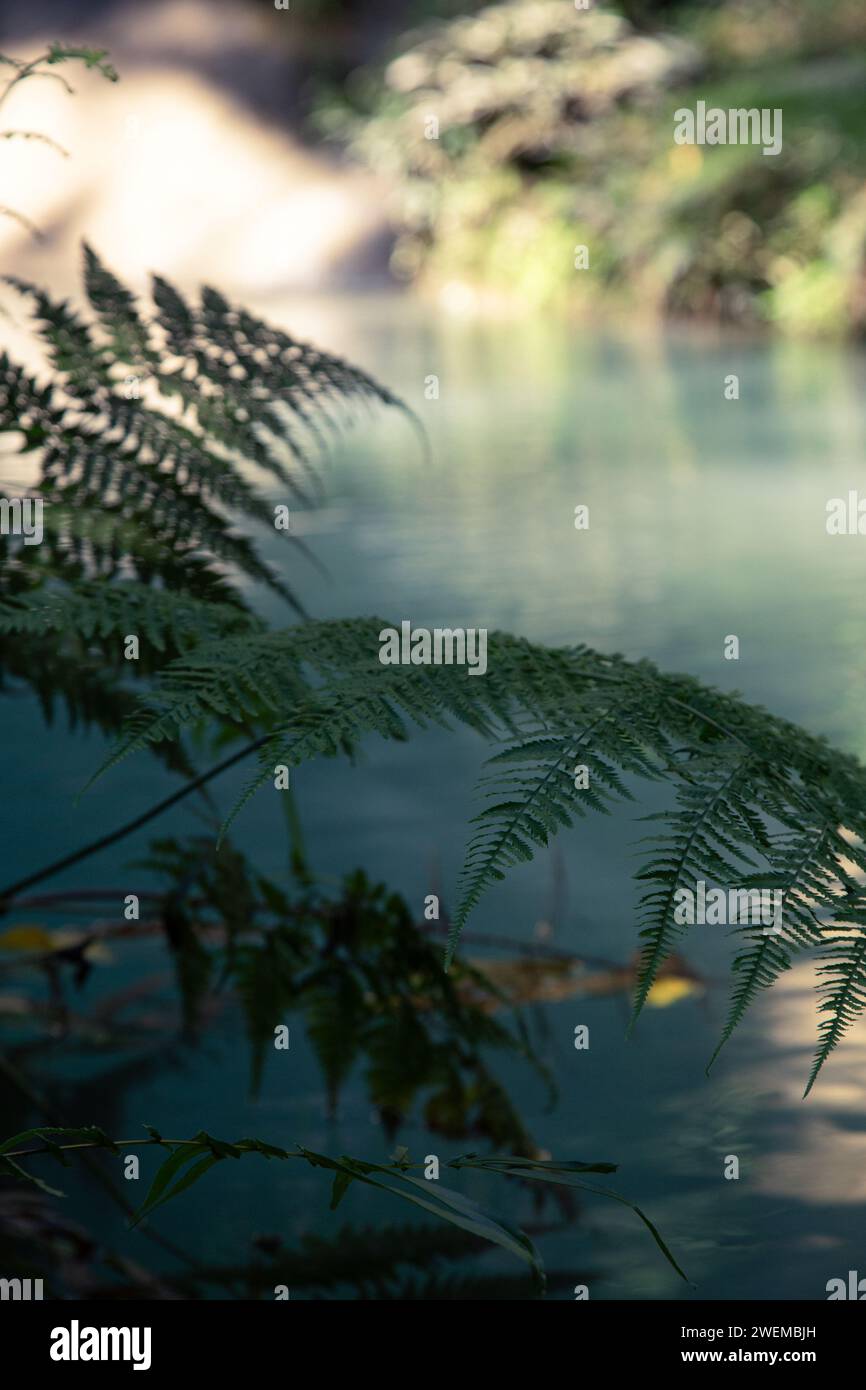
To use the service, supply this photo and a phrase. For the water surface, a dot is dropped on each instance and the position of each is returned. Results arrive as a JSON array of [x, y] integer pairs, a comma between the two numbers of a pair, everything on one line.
[[707, 518]]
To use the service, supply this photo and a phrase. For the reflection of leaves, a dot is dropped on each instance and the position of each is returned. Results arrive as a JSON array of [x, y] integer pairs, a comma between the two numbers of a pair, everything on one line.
[[193, 964], [335, 1012], [400, 1049], [224, 878], [366, 1259], [264, 976], [387, 1262], [527, 980], [367, 982]]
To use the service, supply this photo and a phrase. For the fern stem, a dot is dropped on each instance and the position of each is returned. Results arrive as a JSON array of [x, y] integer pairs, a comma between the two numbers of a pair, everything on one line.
[[104, 841], [126, 1144], [26, 70], [708, 719]]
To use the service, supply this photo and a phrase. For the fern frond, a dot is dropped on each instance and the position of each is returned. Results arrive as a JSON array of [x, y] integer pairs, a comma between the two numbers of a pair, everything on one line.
[[841, 972], [698, 844], [90, 610], [152, 412], [745, 783], [542, 796], [805, 882]]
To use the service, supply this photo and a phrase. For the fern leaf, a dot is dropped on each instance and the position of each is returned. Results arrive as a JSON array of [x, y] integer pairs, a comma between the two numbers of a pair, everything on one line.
[[145, 483], [697, 844], [841, 972], [91, 610], [803, 882], [541, 799]]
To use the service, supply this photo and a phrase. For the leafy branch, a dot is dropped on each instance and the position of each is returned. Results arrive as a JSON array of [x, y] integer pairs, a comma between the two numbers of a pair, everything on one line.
[[188, 1160], [42, 66]]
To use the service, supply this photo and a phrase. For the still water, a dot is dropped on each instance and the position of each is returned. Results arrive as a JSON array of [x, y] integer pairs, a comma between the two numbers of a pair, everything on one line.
[[707, 518]]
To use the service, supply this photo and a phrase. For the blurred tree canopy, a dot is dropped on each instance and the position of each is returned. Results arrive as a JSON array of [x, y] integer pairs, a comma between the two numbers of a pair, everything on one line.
[[554, 129]]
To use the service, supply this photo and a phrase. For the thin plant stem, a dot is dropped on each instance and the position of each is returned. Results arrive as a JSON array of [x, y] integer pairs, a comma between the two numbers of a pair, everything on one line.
[[40, 1103], [14, 889]]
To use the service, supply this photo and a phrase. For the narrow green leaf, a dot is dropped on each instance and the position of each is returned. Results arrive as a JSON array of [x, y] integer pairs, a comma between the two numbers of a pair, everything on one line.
[[165, 1174], [14, 1170]]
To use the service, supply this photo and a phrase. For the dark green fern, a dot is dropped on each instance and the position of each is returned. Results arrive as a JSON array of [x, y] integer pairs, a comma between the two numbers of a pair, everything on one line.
[[757, 801], [144, 426]]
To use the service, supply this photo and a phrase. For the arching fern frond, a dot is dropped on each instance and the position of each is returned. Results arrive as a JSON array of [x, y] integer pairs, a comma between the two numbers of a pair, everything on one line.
[[757, 801], [539, 786], [154, 414], [147, 436]]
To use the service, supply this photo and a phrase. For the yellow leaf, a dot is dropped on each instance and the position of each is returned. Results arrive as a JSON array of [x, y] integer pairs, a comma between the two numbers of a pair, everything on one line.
[[29, 937], [670, 989]]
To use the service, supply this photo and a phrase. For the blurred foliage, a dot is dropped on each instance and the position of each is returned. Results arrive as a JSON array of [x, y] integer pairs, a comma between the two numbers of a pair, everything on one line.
[[147, 432], [351, 964], [37, 1241], [367, 982], [556, 131], [43, 66]]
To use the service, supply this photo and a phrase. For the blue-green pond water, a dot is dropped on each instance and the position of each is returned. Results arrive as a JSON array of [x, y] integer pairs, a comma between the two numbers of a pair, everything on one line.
[[707, 518]]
